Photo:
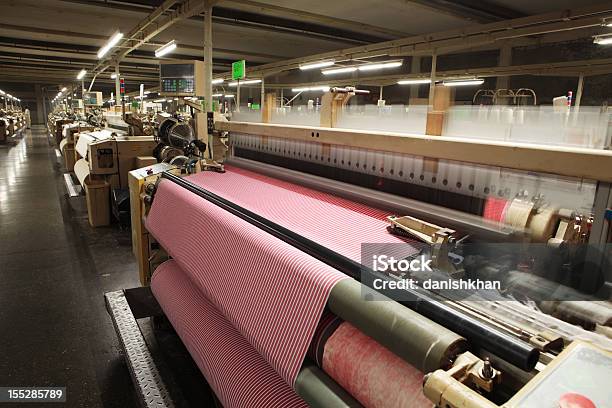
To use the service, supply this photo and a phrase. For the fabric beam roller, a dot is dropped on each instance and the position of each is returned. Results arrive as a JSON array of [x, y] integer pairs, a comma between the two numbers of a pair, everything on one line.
[[273, 295]]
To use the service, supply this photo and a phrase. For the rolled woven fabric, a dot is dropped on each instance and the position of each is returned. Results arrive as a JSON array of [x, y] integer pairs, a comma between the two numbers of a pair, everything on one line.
[[238, 374], [271, 292], [376, 377]]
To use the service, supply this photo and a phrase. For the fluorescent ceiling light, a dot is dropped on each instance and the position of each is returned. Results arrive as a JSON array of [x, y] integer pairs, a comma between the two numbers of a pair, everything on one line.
[[81, 74], [245, 82], [382, 65], [464, 82], [114, 40], [147, 92], [217, 95], [217, 81], [320, 64], [312, 88], [603, 40], [64, 89], [2, 92], [113, 76], [414, 81], [608, 24], [338, 70], [228, 96], [165, 49]]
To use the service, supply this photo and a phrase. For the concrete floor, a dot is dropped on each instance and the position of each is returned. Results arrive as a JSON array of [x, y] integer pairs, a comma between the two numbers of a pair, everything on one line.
[[54, 270]]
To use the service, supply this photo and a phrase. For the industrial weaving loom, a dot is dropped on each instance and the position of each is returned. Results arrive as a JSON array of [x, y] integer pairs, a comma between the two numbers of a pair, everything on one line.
[[270, 287]]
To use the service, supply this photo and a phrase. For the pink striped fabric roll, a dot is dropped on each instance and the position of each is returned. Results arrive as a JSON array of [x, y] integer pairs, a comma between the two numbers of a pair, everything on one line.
[[271, 292], [334, 222], [238, 374]]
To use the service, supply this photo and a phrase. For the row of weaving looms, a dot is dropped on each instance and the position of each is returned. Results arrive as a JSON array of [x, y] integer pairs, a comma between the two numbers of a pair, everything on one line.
[[268, 287]]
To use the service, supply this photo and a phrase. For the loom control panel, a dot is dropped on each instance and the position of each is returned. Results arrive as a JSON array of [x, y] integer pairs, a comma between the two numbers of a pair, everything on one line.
[[181, 78]]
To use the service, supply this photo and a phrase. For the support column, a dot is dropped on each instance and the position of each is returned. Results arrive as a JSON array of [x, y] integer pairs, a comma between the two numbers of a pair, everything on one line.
[[117, 85], [432, 85], [505, 59], [262, 97], [579, 91], [208, 60], [238, 96], [40, 112], [44, 106], [415, 68]]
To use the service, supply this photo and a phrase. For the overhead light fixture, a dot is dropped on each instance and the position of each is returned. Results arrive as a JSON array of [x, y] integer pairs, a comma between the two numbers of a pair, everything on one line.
[[81, 74], [114, 75], [2, 92], [464, 82], [245, 82], [64, 89], [217, 81], [217, 95], [603, 40], [147, 92], [114, 40], [319, 64], [334, 71], [165, 49], [228, 96], [414, 81], [381, 65], [311, 88]]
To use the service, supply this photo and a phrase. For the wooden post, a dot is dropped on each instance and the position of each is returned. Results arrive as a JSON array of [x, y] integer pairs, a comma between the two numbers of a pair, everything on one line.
[[268, 107], [442, 100], [331, 108]]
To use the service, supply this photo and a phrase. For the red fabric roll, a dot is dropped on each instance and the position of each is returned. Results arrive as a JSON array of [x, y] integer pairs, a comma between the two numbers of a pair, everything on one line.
[[495, 209], [238, 374], [369, 372]]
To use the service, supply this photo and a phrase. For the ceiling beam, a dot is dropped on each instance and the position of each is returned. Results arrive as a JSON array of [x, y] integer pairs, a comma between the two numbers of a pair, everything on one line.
[[261, 22], [254, 15], [71, 35], [563, 68], [567, 20], [474, 10], [150, 26], [317, 18]]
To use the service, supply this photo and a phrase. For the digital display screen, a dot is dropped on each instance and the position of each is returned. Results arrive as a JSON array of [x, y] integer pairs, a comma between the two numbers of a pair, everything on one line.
[[177, 71]]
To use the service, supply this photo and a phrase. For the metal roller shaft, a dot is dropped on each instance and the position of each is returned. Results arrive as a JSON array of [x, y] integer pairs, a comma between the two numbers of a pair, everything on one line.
[[320, 391], [416, 339]]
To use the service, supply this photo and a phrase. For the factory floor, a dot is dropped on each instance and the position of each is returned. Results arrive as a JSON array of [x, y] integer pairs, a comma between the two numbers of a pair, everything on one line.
[[54, 270]]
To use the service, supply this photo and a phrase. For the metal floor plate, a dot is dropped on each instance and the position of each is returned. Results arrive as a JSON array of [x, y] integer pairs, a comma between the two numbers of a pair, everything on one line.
[[73, 189], [146, 377]]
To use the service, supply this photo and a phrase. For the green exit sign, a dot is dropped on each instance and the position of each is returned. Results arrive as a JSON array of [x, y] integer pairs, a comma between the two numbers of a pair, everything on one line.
[[238, 69]]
